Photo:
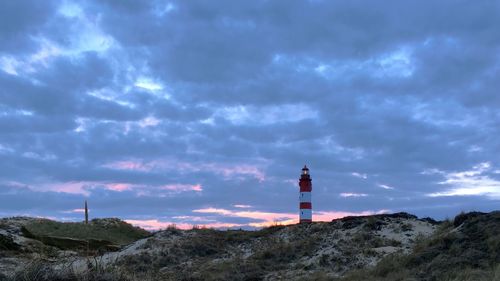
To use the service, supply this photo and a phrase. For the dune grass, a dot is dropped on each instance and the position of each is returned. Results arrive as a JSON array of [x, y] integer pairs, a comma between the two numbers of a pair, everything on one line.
[[115, 231], [473, 253]]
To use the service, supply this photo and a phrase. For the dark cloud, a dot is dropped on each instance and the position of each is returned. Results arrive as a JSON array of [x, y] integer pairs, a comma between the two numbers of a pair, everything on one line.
[[21, 21], [171, 107]]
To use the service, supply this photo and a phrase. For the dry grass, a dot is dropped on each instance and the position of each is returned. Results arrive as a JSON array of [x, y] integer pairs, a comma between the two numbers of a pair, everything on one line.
[[471, 253], [118, 232]]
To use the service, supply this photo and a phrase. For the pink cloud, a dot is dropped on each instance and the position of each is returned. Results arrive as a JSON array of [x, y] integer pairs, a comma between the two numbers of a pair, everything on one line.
[[220, 225], [233, 171], [238, 170], [118, 186], [81, 187], [270, 218], [182, 187], [228, 171], [65, 187], [132, 165], [331, 215], [85, 187], [157, 225]]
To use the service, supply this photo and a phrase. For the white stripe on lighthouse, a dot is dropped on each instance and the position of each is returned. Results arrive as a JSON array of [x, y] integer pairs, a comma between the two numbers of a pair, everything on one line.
[[305, 197], [305, 214]]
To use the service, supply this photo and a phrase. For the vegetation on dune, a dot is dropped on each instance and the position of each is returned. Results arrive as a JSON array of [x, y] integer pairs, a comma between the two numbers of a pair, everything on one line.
[[252, 255], [100, 235], [113, 230], [7, 243], [40, 271], [467, 248]]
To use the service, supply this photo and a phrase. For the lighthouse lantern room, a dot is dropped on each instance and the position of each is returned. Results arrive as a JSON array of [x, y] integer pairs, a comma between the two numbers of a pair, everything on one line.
[[305, 196]]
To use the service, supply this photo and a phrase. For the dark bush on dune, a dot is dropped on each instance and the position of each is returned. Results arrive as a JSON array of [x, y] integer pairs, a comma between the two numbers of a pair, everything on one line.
[[461, 218], [8, 244]]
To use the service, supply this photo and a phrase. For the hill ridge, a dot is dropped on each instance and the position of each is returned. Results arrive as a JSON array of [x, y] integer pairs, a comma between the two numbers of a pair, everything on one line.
[[397, 246]]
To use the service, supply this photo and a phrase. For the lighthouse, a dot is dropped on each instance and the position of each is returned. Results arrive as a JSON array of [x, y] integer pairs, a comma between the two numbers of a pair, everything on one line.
[[305, 185]]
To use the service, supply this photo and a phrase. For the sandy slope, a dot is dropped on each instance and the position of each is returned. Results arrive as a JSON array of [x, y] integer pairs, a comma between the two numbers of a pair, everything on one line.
[[287, 252]]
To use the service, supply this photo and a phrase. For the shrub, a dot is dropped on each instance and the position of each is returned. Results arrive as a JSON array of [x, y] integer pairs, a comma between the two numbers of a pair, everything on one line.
[[406, 227], [7, 243], [372, 224]]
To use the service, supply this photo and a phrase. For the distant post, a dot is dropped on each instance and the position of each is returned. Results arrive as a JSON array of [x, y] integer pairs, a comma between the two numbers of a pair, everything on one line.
[[86, 213]]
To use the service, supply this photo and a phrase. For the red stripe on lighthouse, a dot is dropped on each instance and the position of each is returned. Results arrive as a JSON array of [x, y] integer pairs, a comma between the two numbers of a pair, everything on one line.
[[305, 205], [305, 188]]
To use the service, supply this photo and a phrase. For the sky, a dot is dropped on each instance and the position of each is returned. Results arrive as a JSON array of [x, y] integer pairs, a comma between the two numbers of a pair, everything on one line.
[[204, 112]]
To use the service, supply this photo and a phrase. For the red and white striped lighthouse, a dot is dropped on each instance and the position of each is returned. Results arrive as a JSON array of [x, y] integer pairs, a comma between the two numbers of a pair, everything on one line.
[[305, 196]]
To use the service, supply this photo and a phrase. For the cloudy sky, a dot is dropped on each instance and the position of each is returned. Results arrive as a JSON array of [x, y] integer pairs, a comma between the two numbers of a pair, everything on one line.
[[204, 112]]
